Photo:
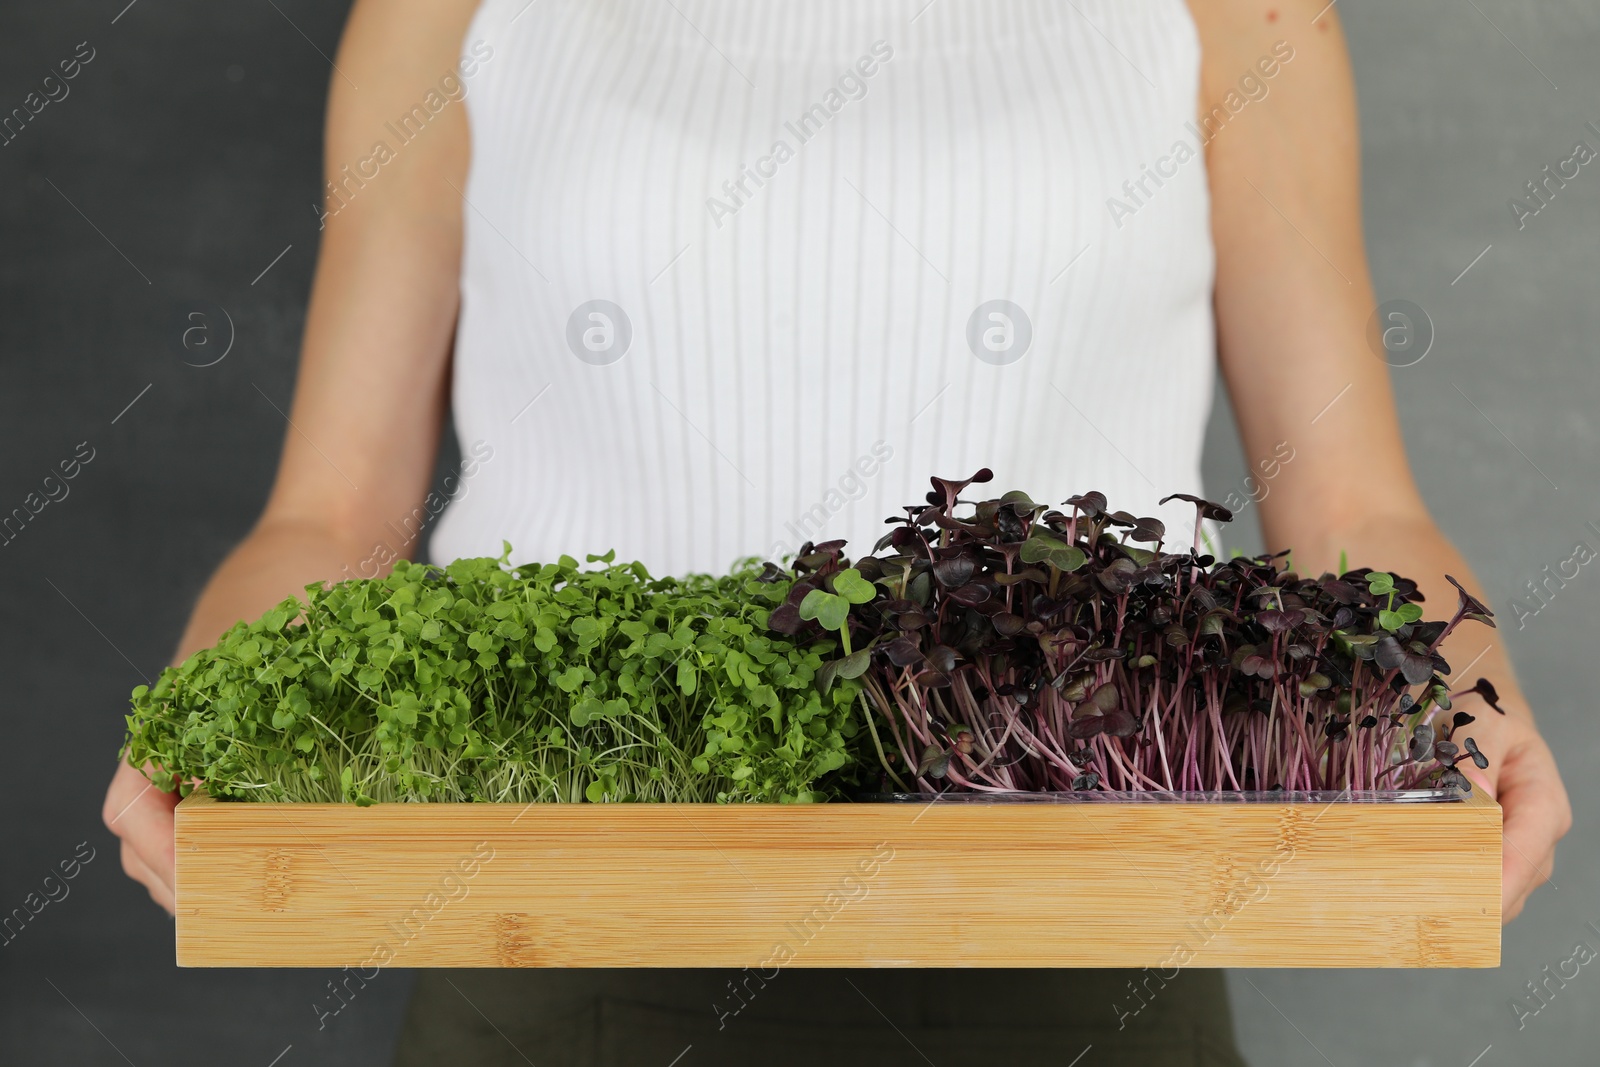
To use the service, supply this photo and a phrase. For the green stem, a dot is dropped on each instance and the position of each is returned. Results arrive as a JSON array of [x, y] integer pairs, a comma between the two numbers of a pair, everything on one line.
[[877, 744]]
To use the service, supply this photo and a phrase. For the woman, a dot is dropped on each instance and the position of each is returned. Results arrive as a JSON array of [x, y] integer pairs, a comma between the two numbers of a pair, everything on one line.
[[721, 278]]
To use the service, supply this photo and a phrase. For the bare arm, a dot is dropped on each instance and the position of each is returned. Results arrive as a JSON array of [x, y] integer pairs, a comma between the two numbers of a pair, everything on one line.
[[371, 393], [1293, 296]]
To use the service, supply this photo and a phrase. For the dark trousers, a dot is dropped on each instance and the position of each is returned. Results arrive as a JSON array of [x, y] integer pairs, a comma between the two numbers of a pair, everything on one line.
[[819, 1018]]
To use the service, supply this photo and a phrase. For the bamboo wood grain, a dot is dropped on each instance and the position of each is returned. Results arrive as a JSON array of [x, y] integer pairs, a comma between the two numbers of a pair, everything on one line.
[[839, 885]]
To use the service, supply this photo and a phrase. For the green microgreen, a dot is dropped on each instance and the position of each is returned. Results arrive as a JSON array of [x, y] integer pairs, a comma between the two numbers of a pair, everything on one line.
[[480, 681]]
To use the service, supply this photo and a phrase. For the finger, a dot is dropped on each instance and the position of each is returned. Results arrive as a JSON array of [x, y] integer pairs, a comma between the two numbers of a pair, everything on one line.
[[145, 822], [130, 787], [135, 868], [149, 833], [1527, 860], [126, 785], [1536, 813], [1510, 906]]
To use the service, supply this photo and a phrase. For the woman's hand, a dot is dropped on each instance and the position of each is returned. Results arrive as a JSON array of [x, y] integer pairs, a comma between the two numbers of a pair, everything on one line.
[[1522, 776], [141, 815], [1293, 299]]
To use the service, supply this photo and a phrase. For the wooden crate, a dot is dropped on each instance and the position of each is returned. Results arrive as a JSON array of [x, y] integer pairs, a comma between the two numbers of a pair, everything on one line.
[[1162, 885]]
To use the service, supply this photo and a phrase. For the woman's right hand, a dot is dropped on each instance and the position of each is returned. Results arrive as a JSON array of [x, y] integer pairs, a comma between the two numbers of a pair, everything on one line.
[[141, 815]]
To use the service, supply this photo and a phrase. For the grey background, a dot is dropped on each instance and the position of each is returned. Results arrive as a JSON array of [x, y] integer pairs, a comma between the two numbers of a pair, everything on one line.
[[200, 179]]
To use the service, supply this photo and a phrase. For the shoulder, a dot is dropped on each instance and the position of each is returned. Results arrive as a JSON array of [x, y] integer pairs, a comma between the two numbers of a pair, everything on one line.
[[1247, 43]]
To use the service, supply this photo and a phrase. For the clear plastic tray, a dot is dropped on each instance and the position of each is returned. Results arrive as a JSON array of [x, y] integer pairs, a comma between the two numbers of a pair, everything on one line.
[[1097, 796]]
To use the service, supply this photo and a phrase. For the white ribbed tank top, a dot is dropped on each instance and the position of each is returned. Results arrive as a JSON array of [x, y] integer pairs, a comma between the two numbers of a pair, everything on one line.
[[792, 213]]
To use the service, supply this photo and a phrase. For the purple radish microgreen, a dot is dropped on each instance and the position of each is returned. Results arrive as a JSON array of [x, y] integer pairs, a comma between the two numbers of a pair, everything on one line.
[[1016, 646]]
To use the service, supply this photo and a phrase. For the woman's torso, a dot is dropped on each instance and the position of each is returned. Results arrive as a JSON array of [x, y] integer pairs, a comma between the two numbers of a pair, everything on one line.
[[799, 364], [800, 359]]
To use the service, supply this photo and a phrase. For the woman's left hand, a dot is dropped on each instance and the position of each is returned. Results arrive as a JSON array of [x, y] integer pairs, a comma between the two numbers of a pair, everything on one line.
[[1522, 776]]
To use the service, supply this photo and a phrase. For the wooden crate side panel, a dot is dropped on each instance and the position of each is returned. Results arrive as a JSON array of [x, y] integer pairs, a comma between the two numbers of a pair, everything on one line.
[[842, 885]]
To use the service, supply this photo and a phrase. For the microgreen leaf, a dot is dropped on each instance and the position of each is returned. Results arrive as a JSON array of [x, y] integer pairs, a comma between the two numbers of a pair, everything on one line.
[[1043, 547], [855, 664], [828, 609], [852, 587]]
